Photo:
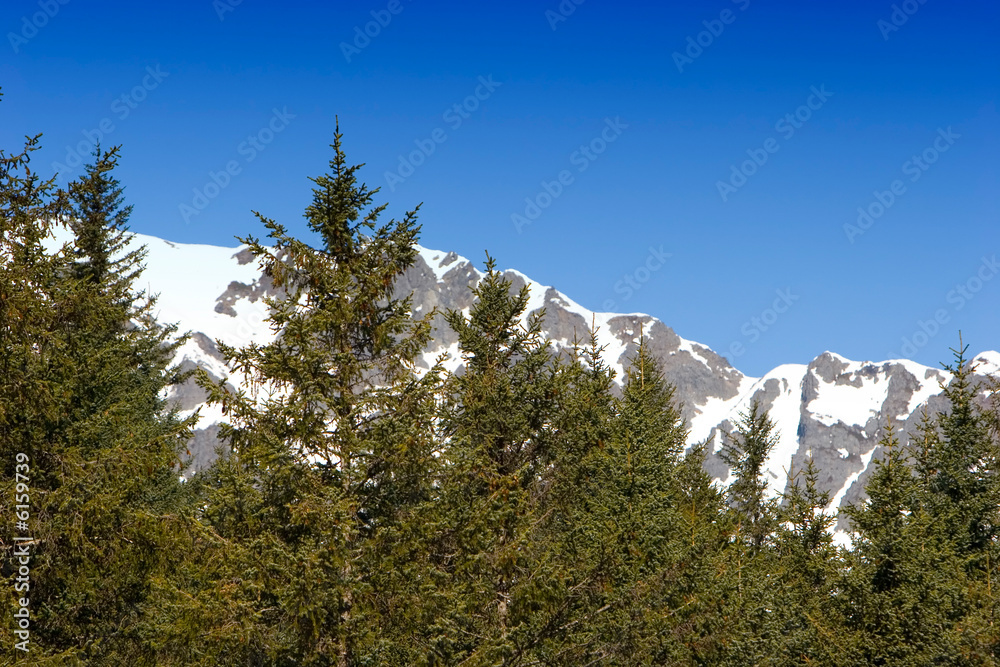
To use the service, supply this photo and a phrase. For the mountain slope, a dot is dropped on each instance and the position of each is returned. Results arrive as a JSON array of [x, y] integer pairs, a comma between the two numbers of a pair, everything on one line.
[[830, 409]]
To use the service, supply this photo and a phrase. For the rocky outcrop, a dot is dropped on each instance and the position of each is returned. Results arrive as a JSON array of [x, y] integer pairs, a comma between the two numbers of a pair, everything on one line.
[[832, 410]]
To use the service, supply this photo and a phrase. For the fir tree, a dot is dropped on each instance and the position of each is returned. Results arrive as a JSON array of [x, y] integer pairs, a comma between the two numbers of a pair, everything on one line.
[[702, 546], [960, 467], [960, 492], [809, 625], [904, 585], [746, 452], [642, 518], [29, 399], [497, 421], [329, 445], [751, 597], [571, 606], [104, 447]]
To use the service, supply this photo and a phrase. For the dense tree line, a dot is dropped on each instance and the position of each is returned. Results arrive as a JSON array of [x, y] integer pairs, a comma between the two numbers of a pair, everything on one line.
[[520, 512]]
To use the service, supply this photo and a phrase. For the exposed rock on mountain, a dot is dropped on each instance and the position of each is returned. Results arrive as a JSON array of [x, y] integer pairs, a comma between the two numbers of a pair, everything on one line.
[[831, 409]]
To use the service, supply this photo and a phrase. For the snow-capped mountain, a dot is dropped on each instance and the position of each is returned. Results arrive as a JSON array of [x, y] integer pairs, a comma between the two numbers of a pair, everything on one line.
[[831, 409]]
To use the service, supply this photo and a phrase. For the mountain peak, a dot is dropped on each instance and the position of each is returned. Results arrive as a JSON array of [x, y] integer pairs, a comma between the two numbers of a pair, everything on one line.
[[830, 410]]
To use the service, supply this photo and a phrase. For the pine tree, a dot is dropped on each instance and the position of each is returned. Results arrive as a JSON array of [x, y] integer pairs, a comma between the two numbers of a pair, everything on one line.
[[638, 492], [702, 546], [104, 447], [904, 584], [808, 623], [984, 624], [29, 400], [751, 598], [570, 608], [961, 465], [330, 444], [958, 469], [497, 422], [805, 523], [746, 452]]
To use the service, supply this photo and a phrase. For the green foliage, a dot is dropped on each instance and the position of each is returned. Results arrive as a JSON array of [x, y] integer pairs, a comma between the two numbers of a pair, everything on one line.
[[88, 366], [920, 576], [330, 446], [497, 425], [959, 468], [524, 510], [746, 452], [638, 507], [805, 581]]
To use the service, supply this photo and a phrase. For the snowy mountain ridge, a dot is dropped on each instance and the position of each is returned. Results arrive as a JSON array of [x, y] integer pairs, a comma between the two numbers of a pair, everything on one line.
[[830, 409]]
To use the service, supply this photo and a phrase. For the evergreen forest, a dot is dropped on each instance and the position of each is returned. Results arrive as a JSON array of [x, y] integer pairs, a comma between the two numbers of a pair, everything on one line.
[[531, 510]]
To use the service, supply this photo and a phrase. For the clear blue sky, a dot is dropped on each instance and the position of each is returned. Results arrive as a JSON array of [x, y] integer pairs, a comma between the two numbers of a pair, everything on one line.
[[198, 87]]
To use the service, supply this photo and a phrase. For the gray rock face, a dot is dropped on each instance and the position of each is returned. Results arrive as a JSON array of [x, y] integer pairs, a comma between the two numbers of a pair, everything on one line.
[[189, 396], [832, 410], [241, 291]]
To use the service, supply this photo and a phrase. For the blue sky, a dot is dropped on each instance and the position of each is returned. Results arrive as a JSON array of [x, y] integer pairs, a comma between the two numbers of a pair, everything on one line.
[[701, 162]]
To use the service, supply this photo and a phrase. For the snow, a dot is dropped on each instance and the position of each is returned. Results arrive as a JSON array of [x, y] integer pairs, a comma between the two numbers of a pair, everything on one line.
[[451, 363], [711, 414], [433, 258], [850, 405], [187, 279], [196, 275], [207, 414], [929, 386], [786, 413], [190, 278], [573, 307], [249, 326], [716, 410], [694, 349], [841, 358], [686, 346], [191, 351], [988, 363], [866, 458], [536, 292], [842, 539]]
